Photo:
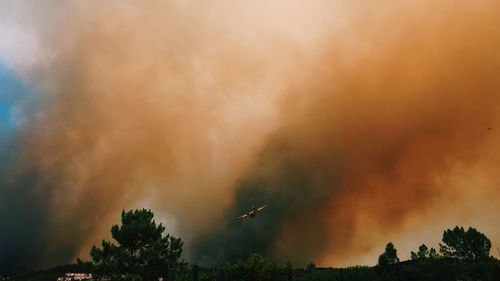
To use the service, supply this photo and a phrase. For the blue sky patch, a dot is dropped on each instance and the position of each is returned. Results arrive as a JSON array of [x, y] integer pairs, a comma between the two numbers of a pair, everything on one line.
[[11, 91]]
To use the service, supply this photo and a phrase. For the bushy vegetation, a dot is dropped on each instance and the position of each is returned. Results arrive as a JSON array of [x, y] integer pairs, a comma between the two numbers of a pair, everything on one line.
[[389, 256], [336, 274], [254, 268], [463, 255], [470, 245], [257, 268], [441, 269], [143, 253], [424, 253]]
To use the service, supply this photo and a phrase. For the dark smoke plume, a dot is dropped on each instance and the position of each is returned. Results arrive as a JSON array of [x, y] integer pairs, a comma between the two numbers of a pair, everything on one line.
[[369, 137], [292, 191]]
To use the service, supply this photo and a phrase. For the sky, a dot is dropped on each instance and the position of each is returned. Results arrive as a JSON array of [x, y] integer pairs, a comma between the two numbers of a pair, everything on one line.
[[10, 88], [357, 122]]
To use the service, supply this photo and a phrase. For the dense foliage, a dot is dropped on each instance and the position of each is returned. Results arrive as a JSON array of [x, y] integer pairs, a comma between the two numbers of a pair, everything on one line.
[[254, 268], [142, 252], [389, 256], [424, 253], [470, 245]]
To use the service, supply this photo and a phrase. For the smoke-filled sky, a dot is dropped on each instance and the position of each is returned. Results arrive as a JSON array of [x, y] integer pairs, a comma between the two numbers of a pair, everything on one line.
[[357, 122]]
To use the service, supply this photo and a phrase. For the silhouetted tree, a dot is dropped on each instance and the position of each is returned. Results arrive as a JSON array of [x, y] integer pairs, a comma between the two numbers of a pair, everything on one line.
[[413, 255], [423, 253], [433, 253], [465, 245], [142, 252], [311, 267], [389, 256]]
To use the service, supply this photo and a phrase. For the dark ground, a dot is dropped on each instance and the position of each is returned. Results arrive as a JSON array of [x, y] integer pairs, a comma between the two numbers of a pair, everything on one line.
[[416, 270]]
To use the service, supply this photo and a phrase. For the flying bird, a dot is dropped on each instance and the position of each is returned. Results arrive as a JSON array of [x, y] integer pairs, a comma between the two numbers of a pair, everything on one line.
[[489, 129], [252, 212]]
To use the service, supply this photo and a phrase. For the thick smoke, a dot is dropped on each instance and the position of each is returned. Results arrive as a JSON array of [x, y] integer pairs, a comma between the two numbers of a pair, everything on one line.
[[140, 105], [369, 138], [357, 123]]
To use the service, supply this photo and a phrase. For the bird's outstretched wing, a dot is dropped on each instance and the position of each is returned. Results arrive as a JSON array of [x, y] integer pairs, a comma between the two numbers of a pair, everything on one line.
[[242, 217], [261, 207]]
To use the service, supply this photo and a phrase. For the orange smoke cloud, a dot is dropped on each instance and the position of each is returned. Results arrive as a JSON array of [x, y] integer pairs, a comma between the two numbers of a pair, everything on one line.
[[390, 120], [357, 120]]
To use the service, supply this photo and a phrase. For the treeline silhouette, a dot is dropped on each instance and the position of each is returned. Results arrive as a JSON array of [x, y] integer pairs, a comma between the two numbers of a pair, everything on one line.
[[142, 252]]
